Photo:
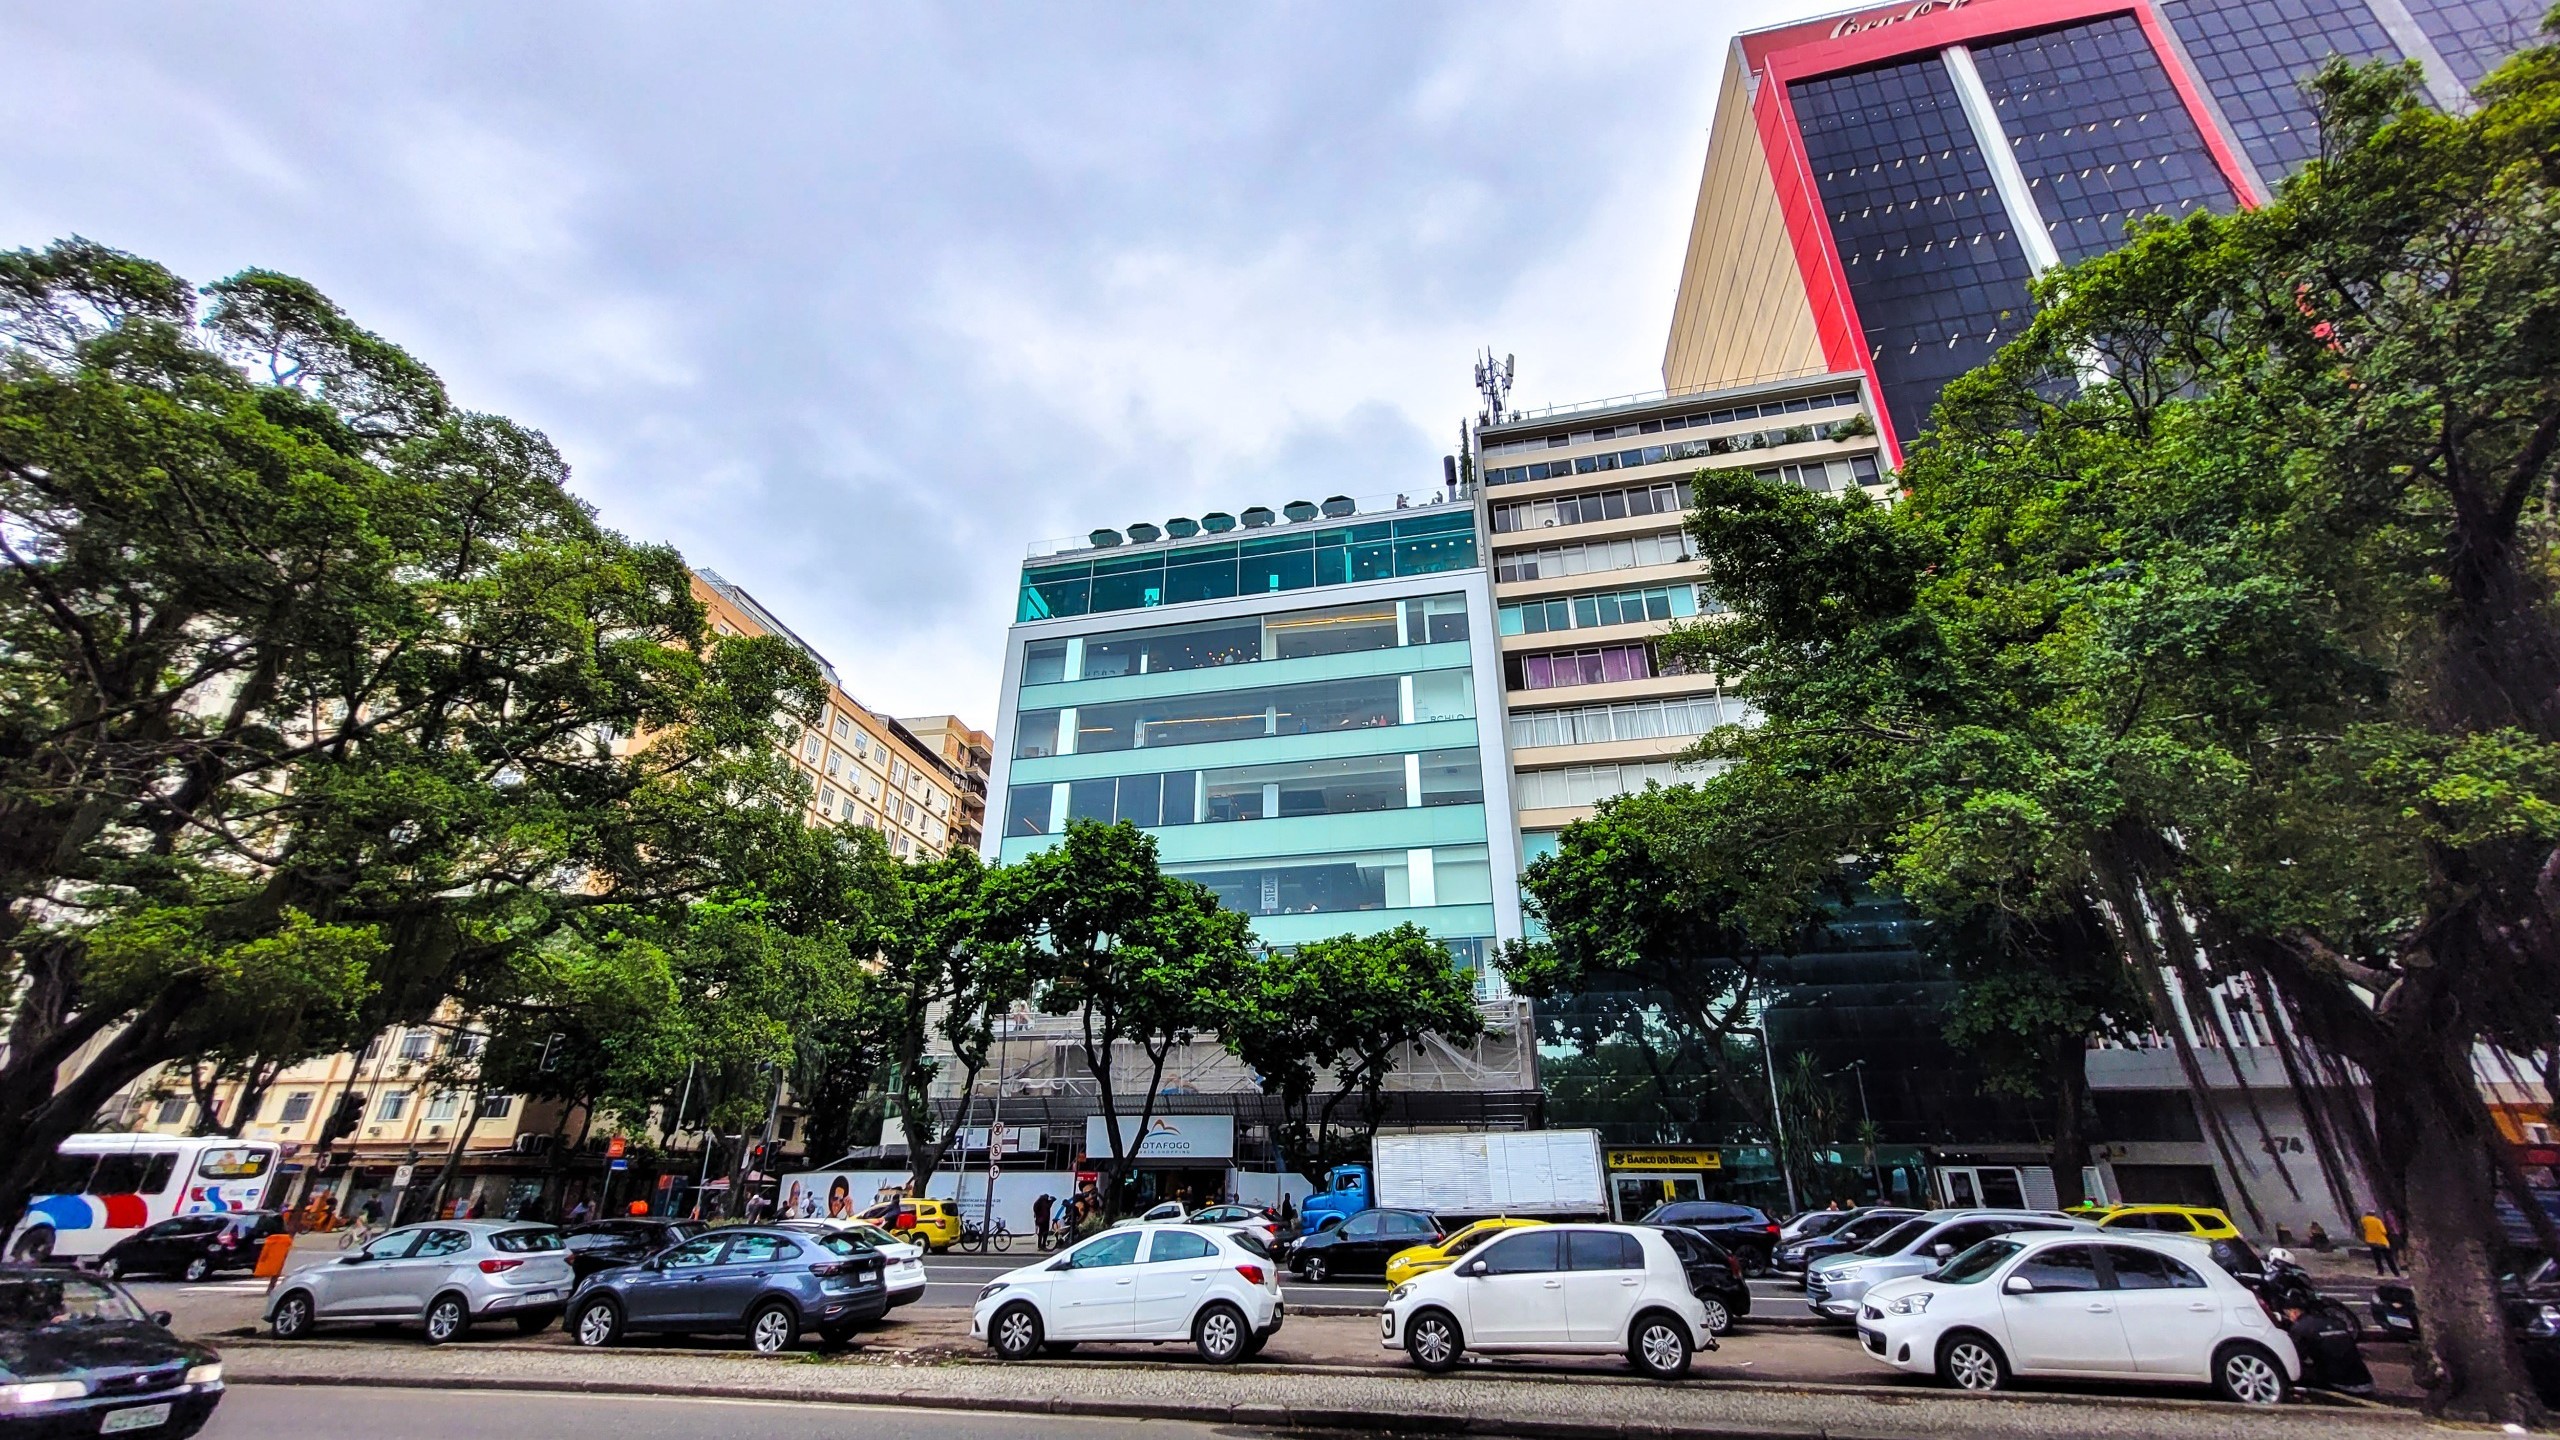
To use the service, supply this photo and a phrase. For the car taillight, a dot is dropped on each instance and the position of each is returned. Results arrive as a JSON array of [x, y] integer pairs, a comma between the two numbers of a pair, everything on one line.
[[1253, 1273], [1734, 1264], [832, 1267], [1772, 1229], [498, 1267]]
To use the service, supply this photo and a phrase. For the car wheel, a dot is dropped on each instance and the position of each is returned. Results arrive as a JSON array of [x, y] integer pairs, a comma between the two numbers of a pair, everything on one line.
[[2249, 1375], [838, 1334], [1969, 1361], [292, 1319], [1315, 1270], [1015, 1333], [1434, 1342], [771, 1329], [1058, 1347], [1220, 1333], [199, 1268], [1659, 1347], [1253, 1346], [597, 1325], [1719, 1319], [535, 1323], [35, 1247], [1755, 1263], [447, 1317], [112, 1268]]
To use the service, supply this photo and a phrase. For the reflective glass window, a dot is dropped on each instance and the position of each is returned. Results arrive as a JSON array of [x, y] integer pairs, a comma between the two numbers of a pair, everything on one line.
[[2254, 57]]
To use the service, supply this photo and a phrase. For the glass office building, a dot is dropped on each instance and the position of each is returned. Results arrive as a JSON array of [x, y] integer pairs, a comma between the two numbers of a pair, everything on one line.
[[1304, 711], [1882, 184]]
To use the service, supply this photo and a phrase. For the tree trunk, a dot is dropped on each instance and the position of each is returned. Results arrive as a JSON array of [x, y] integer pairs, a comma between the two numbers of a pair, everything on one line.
[[2070, 1088], [2437, 1153], [453, 1157]]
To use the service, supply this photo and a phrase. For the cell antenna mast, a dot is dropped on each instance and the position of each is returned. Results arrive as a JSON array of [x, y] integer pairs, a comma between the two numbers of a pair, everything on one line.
[[1493, 381]]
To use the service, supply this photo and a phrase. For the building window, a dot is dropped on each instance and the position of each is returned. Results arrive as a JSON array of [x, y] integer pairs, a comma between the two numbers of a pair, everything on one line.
[[1606, 607], [443, 1106], [1600, 665], [1626, 720], [297, 1108], [171, 1112], [392, 1105], [844, 726], [497, 1107], [1336, 884], [1315, 708], [417, 1044], [1668, 498], [1593, 557], [1574, 785], [1428, 542]]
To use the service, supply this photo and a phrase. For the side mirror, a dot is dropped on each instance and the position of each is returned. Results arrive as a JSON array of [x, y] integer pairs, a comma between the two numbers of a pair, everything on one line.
[[2019, 1285], [356, 1257], [160, 1318], [1943, 1252], [1475, 1267]]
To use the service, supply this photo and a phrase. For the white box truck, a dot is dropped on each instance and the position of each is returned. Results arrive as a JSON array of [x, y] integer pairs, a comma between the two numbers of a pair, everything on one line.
[[1549, 1174]]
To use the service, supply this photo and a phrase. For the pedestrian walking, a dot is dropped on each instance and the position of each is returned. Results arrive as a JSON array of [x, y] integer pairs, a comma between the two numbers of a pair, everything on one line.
[[1040, 1218], [2377, 1238]]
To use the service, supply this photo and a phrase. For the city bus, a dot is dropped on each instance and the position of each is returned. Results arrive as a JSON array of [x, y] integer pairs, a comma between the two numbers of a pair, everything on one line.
[[101, 1188]]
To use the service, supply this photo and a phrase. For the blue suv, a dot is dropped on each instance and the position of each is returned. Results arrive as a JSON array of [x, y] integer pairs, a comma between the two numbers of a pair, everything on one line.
[[772, 1284]]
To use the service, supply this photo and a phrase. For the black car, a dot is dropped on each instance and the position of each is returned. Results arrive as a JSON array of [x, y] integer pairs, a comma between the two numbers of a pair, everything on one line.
[[1715, 1277], [605, 1244], [1748, 1234], [194, 1246], [770, 1283], [79, 1357], [1794, 1256], [1362, 1245]]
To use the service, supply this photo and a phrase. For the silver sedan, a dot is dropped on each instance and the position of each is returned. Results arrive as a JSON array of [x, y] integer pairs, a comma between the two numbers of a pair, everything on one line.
[[444, 1275]]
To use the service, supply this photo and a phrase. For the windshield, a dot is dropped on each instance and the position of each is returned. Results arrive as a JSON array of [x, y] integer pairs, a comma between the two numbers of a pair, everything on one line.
[[1250, 1243], [525, 1242], [1977, 1262], [840, 1244], [1892, 1241], [51, 1302], [870, 1235], [1866, 1228]]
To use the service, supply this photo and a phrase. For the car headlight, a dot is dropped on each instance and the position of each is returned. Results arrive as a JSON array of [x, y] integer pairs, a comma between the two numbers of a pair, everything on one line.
[[205, 1374], [1399, 1292], [40, 1391], [991, 1289], [2545, 1323], [1908, 1304]]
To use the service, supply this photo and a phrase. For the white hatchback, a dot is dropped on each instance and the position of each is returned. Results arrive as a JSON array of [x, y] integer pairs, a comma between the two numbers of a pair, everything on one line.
[[1588, 1289], [1218, 1289], [2125, 1307]]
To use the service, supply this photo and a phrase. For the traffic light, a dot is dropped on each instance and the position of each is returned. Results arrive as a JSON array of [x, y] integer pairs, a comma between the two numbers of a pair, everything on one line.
[[343, 1120]]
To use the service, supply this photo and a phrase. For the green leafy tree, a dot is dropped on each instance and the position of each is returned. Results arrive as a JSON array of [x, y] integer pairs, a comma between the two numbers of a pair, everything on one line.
[[309, 684], [1140, 959], [1323, 1025]]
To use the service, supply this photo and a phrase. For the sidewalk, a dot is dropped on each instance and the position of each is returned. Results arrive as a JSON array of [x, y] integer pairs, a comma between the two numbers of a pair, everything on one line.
[[1541, 1404]]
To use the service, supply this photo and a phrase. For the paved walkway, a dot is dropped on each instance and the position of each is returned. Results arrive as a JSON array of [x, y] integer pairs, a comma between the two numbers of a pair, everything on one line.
[[1542, 1404]]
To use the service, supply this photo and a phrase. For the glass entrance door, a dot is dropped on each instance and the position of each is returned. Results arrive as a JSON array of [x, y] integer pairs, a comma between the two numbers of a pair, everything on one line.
[[1636, 1195]]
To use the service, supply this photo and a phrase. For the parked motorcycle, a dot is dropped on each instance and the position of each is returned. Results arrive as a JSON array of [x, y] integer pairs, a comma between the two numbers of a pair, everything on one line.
[[2324, 1330]]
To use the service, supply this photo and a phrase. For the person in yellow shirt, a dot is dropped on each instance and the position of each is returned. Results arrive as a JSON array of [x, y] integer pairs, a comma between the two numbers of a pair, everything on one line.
[[2377, 1238]]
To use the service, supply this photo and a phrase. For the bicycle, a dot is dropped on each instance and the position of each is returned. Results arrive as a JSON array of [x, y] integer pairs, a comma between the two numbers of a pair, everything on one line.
[[975, 1240]]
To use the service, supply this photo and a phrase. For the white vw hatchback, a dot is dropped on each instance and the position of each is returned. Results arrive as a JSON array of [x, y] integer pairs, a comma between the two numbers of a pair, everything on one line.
[[1218, 1289], [1572, 1289], [2126, 1307]]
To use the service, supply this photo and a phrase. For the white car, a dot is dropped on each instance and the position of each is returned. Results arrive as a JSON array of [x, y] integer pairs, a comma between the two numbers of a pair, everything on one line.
[[2121, 1307], [1251, 1218], [1152, 1283], [1834, 1284], [444, 1275], [905, 1259], [1588, 1289]]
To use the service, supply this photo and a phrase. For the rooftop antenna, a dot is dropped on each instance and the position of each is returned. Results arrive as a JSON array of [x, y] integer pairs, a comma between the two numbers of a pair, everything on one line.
[[1494, 383]]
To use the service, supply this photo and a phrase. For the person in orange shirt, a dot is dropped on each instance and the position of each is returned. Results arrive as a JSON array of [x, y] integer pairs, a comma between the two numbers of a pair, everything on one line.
[[2377, 1238]]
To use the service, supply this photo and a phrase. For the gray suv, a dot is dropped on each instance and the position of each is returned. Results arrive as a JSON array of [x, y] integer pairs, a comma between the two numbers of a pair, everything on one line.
[[444, 1275], [1834, 1284]]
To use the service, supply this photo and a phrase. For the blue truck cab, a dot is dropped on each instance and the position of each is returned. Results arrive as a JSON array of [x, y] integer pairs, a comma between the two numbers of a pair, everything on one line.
[[1346, 1194]]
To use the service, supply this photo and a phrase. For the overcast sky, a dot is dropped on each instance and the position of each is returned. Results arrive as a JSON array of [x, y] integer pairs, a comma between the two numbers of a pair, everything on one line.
[[851, 303]]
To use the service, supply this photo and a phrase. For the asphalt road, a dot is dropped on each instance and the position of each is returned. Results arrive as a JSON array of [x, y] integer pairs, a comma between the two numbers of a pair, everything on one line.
[[263, 1412]]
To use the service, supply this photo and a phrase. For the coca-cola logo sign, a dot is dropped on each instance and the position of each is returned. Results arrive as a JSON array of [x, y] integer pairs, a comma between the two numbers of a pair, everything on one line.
[[1877, 20]]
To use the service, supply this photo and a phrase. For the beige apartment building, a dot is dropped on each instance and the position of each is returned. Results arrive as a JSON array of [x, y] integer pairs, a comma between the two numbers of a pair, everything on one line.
[[863, 767], [1583, 507], [971, 754]]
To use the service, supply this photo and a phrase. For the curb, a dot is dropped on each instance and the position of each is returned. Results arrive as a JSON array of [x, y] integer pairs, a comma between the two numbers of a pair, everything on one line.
[[1269, 1417]]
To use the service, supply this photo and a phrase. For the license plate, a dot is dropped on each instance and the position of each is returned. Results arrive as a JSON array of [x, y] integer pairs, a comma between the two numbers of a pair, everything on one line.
[[140, 1417]]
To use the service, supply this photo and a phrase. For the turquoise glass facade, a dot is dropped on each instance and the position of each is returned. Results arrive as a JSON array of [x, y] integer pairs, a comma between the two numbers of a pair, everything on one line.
[[1325, 765], [1431, 541]]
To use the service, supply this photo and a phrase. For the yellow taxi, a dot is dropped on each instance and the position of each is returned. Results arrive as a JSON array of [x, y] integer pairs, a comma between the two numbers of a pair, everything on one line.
[[2191, 1220], [1419, 1259], [934, 1224]]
